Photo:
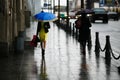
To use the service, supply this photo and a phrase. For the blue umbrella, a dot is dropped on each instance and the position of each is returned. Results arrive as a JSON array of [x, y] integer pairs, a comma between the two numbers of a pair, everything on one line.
[[45, 16]]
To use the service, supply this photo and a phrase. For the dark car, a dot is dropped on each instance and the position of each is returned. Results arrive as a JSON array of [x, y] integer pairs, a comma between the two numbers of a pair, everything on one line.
[[113, 15], [99, 14]]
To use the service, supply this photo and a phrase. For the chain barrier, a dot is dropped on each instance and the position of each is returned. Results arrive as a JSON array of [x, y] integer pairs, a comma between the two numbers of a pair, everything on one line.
[[108, 50], [113, 54]]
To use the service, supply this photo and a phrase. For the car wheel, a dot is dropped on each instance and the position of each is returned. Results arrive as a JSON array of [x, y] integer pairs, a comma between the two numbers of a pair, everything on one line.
[[105, 21], [115, 19], [93, 21]]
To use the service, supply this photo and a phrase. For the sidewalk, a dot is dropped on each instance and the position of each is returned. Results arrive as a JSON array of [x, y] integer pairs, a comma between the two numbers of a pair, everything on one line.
[[63, 61]]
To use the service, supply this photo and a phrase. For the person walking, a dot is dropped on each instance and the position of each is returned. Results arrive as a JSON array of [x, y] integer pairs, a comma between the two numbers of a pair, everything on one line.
[[42, 30], [84, 32]]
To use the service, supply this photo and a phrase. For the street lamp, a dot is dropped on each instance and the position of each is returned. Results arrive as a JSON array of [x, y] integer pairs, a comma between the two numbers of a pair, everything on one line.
[[54, 6], [88, 4], [58, 11], [67, 13], [82, 4]]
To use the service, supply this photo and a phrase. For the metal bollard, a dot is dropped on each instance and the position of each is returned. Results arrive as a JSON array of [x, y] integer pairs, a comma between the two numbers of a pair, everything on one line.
[[89, 42], [119, 69], [73, 28], [70, 27], [107, 48], [97, 44], [76, 33]]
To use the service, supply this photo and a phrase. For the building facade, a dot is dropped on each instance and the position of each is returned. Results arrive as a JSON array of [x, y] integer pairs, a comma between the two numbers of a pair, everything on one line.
[[12, 24]]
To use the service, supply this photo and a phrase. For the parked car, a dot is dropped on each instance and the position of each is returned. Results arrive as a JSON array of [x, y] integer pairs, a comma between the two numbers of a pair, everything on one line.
[[99, 14], [113, 15]]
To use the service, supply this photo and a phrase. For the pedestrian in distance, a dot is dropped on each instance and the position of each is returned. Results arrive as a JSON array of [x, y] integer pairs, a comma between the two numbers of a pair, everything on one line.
[[42, 30], [84, 31]]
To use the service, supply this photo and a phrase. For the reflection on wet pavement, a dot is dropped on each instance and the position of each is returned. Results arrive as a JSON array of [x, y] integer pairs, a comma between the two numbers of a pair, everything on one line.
[[63, 61]]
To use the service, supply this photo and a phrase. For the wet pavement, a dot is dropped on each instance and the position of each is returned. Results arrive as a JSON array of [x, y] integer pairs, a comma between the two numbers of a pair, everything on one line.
[[63, 60]]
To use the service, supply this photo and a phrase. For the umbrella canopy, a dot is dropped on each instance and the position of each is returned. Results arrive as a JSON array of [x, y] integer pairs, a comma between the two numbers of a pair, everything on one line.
[[85, 11], [45, 16]]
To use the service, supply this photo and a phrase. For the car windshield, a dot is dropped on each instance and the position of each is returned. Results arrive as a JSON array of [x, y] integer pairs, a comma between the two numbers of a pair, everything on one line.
[[99, 10], [112, 13]]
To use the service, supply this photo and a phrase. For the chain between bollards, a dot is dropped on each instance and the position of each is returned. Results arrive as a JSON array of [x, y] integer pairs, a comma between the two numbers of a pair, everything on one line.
[[107, 48]]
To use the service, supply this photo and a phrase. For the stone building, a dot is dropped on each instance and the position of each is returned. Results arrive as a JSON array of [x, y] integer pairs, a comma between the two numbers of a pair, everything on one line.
[[12, 23]]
